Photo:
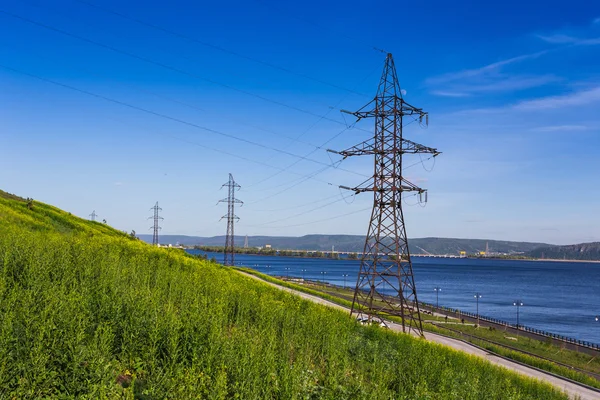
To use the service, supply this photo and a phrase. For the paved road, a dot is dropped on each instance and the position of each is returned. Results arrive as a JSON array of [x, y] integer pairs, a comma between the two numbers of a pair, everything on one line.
[[573, 390]]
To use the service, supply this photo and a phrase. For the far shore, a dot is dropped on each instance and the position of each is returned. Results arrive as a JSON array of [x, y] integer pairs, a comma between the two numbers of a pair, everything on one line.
[[563, 260], [482, 258]]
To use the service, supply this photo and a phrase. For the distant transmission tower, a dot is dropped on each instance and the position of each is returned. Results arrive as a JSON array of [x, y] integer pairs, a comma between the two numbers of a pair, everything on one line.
[[155, 228], [93, 215], [246, 242], [231, 217], [385, 262]]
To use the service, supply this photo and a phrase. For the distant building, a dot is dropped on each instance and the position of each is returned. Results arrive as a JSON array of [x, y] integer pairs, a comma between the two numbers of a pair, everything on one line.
[[267, 246]]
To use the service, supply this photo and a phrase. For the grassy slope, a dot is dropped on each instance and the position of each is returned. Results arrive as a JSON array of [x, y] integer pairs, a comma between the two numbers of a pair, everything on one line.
[[14, 211], [86, 312]]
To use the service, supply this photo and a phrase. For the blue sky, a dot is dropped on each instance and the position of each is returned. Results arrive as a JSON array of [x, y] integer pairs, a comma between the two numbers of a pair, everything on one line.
[[111, 106]]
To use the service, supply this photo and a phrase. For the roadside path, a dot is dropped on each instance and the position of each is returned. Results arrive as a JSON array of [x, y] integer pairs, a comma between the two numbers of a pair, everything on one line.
[[574, 390]]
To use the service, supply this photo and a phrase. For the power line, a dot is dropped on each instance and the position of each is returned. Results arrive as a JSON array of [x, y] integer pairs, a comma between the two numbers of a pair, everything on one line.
[[219, 48], [318, 147], [299, 206], [166, 66], [321, 220], [317, 208], [310, 22], [286, 169], [300, 181], [300, 214], [192, 106], [168, 117]]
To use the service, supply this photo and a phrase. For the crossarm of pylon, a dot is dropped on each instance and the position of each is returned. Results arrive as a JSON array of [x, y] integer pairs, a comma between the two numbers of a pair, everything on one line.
[[226, 200], [368, 148], [232, 217], [405, 187], [411, 147], [404, 109]]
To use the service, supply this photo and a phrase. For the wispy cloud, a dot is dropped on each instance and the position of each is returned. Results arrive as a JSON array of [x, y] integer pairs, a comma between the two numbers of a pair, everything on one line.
[[581, 36], [118, 183], [580, 98], [561, 128], [449, 94], [558, 38], [488, 78], [486, 69], [566, 39], [512, 83]]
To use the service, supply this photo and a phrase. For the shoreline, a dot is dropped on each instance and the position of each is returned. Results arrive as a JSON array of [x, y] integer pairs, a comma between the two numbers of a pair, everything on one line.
[[470, 258]]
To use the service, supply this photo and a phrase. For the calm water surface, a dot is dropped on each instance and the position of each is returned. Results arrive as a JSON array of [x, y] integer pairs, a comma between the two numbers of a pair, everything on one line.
[[559, 297]]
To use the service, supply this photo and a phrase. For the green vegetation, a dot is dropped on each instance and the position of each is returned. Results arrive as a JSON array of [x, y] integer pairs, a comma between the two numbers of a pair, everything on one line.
[[582, 251], [270, 252], [39, 217], [356, 243], [474, 335], [87, 312], [541, 348]]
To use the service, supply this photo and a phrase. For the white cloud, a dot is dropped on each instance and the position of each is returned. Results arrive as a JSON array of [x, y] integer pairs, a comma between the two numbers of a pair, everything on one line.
[[589, 42], [486, 69], [571, 40], [558, 38], [561, 128], [579, 98], [449, 94], [487, 79], [118, 183]]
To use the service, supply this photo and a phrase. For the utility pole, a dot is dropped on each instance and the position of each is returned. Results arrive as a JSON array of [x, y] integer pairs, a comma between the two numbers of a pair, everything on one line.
[[386, 257], [437, 290], [93, 215], [155, 228], [229, 257], [477, 297], [518, 304]]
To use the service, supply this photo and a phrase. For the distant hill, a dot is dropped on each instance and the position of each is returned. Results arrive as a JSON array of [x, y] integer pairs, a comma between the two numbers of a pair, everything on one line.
[[582, 251], [355, 243]]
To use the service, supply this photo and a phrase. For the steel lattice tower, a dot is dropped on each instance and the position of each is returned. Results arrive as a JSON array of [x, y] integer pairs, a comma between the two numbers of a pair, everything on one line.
[[155, 228], [231, 218], [386, 263], [93, 215]]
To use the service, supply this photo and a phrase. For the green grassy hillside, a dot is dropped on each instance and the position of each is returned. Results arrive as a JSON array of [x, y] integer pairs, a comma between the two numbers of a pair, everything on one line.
[[86, 312], [581, 251], [39, 217]]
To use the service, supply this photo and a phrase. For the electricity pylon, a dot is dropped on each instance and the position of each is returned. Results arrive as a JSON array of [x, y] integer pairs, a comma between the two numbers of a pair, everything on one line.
[[155, 228], [386, 264], [229, 256], [93, 215]]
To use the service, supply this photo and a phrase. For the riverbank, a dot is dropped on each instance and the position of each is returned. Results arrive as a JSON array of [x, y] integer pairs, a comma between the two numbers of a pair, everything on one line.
[[517, 360]]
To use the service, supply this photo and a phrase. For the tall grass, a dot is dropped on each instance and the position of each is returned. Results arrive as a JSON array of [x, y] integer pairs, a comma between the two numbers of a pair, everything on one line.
[[105, 317], [88, 315]]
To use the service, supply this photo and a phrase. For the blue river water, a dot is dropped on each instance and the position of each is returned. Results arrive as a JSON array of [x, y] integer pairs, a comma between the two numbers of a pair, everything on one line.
[[558, 297]]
